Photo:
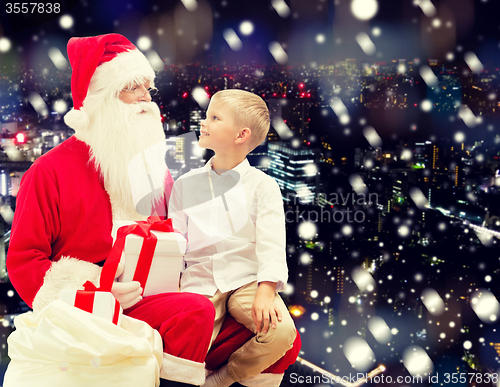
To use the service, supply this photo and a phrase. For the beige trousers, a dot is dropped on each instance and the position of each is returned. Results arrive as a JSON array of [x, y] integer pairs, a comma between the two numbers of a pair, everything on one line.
[[262, 350]]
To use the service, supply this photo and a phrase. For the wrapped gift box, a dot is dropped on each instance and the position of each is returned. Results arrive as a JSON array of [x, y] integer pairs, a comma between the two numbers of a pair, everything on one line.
[[100, 304], [167, 264]]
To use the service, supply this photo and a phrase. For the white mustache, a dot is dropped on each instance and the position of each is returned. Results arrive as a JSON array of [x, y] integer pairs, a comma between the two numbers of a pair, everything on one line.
[[139, 107]]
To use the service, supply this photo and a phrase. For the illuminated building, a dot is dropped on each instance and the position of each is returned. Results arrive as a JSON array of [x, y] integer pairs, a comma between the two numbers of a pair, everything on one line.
[[195, 118], [272, 135], [326, 152], [497, 347], [9, 127], [183, 154], [421, 155], [331, 317], [309, 282], [15, 181], [258, 158], [295, 170], [295, 113], [340, 279], [358, 157], [5, 187], [394, 66], [350, 67], [400, 186], [402, 68], [446, 95], [435, 156]]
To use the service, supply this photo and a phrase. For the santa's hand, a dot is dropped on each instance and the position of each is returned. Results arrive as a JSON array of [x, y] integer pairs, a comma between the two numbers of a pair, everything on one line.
[[127, 293]]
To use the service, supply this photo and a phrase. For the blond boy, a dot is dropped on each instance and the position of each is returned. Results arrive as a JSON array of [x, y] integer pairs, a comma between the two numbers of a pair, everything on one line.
[[232, 215]]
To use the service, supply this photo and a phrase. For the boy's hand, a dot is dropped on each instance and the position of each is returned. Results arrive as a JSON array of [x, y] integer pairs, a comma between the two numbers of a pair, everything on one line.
[[264, 308]]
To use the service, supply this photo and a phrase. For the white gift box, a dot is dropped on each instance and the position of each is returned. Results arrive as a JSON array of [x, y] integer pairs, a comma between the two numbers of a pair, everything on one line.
[[100, 304], [167, 264]]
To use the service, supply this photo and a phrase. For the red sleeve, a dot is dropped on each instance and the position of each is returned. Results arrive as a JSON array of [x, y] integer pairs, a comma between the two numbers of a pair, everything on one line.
[[35, 226]]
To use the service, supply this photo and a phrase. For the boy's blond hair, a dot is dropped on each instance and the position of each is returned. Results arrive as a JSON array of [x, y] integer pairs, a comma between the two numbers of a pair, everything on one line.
[[249, 111]]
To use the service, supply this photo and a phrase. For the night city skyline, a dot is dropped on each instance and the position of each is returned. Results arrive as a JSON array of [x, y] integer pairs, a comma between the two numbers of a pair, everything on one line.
[[387, 154]]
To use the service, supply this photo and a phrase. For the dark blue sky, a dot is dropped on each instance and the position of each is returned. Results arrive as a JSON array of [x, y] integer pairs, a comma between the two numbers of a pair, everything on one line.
[[405, 31]]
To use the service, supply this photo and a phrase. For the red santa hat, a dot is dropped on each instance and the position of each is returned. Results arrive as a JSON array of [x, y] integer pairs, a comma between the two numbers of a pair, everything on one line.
[[102, 64]]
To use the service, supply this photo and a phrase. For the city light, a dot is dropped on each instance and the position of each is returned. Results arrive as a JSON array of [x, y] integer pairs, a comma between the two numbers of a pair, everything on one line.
[[4, 183], [20, 138], [296, 310]]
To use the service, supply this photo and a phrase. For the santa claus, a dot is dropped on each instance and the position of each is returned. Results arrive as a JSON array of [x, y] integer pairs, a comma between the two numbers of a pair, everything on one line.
[[69, 198]]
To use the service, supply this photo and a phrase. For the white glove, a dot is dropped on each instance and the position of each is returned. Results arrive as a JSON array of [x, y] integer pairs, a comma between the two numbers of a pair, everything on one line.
[[127, 293]]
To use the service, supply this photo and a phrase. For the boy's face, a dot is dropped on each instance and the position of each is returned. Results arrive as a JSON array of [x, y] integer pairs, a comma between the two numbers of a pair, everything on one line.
[[218, 129]]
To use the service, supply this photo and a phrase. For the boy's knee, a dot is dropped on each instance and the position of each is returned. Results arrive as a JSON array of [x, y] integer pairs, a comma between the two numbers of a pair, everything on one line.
[[282, 337], [286, 333]]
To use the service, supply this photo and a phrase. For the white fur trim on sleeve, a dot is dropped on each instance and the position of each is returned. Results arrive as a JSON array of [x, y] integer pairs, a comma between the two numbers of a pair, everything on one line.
[[66, 273], [182, 370]]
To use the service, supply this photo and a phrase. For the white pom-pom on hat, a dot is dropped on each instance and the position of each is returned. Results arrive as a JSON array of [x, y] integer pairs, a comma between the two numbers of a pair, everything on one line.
[[77, 119]]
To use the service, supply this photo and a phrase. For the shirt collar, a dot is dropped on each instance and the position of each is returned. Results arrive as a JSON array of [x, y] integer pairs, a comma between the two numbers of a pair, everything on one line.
[[241, 168]]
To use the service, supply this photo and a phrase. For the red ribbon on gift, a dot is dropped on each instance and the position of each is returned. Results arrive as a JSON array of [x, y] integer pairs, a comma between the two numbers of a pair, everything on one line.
[[143, 229], [84, 299]]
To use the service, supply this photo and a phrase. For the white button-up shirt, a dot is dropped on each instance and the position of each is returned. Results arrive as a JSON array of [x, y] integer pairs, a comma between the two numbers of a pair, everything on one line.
[[235, 227]]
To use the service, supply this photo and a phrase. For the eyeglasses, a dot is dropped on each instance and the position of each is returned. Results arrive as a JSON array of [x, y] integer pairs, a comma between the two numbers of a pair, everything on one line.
[[140, 91]]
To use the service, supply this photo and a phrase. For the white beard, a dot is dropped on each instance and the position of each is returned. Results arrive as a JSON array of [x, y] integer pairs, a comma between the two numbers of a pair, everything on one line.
[[121, 139]]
